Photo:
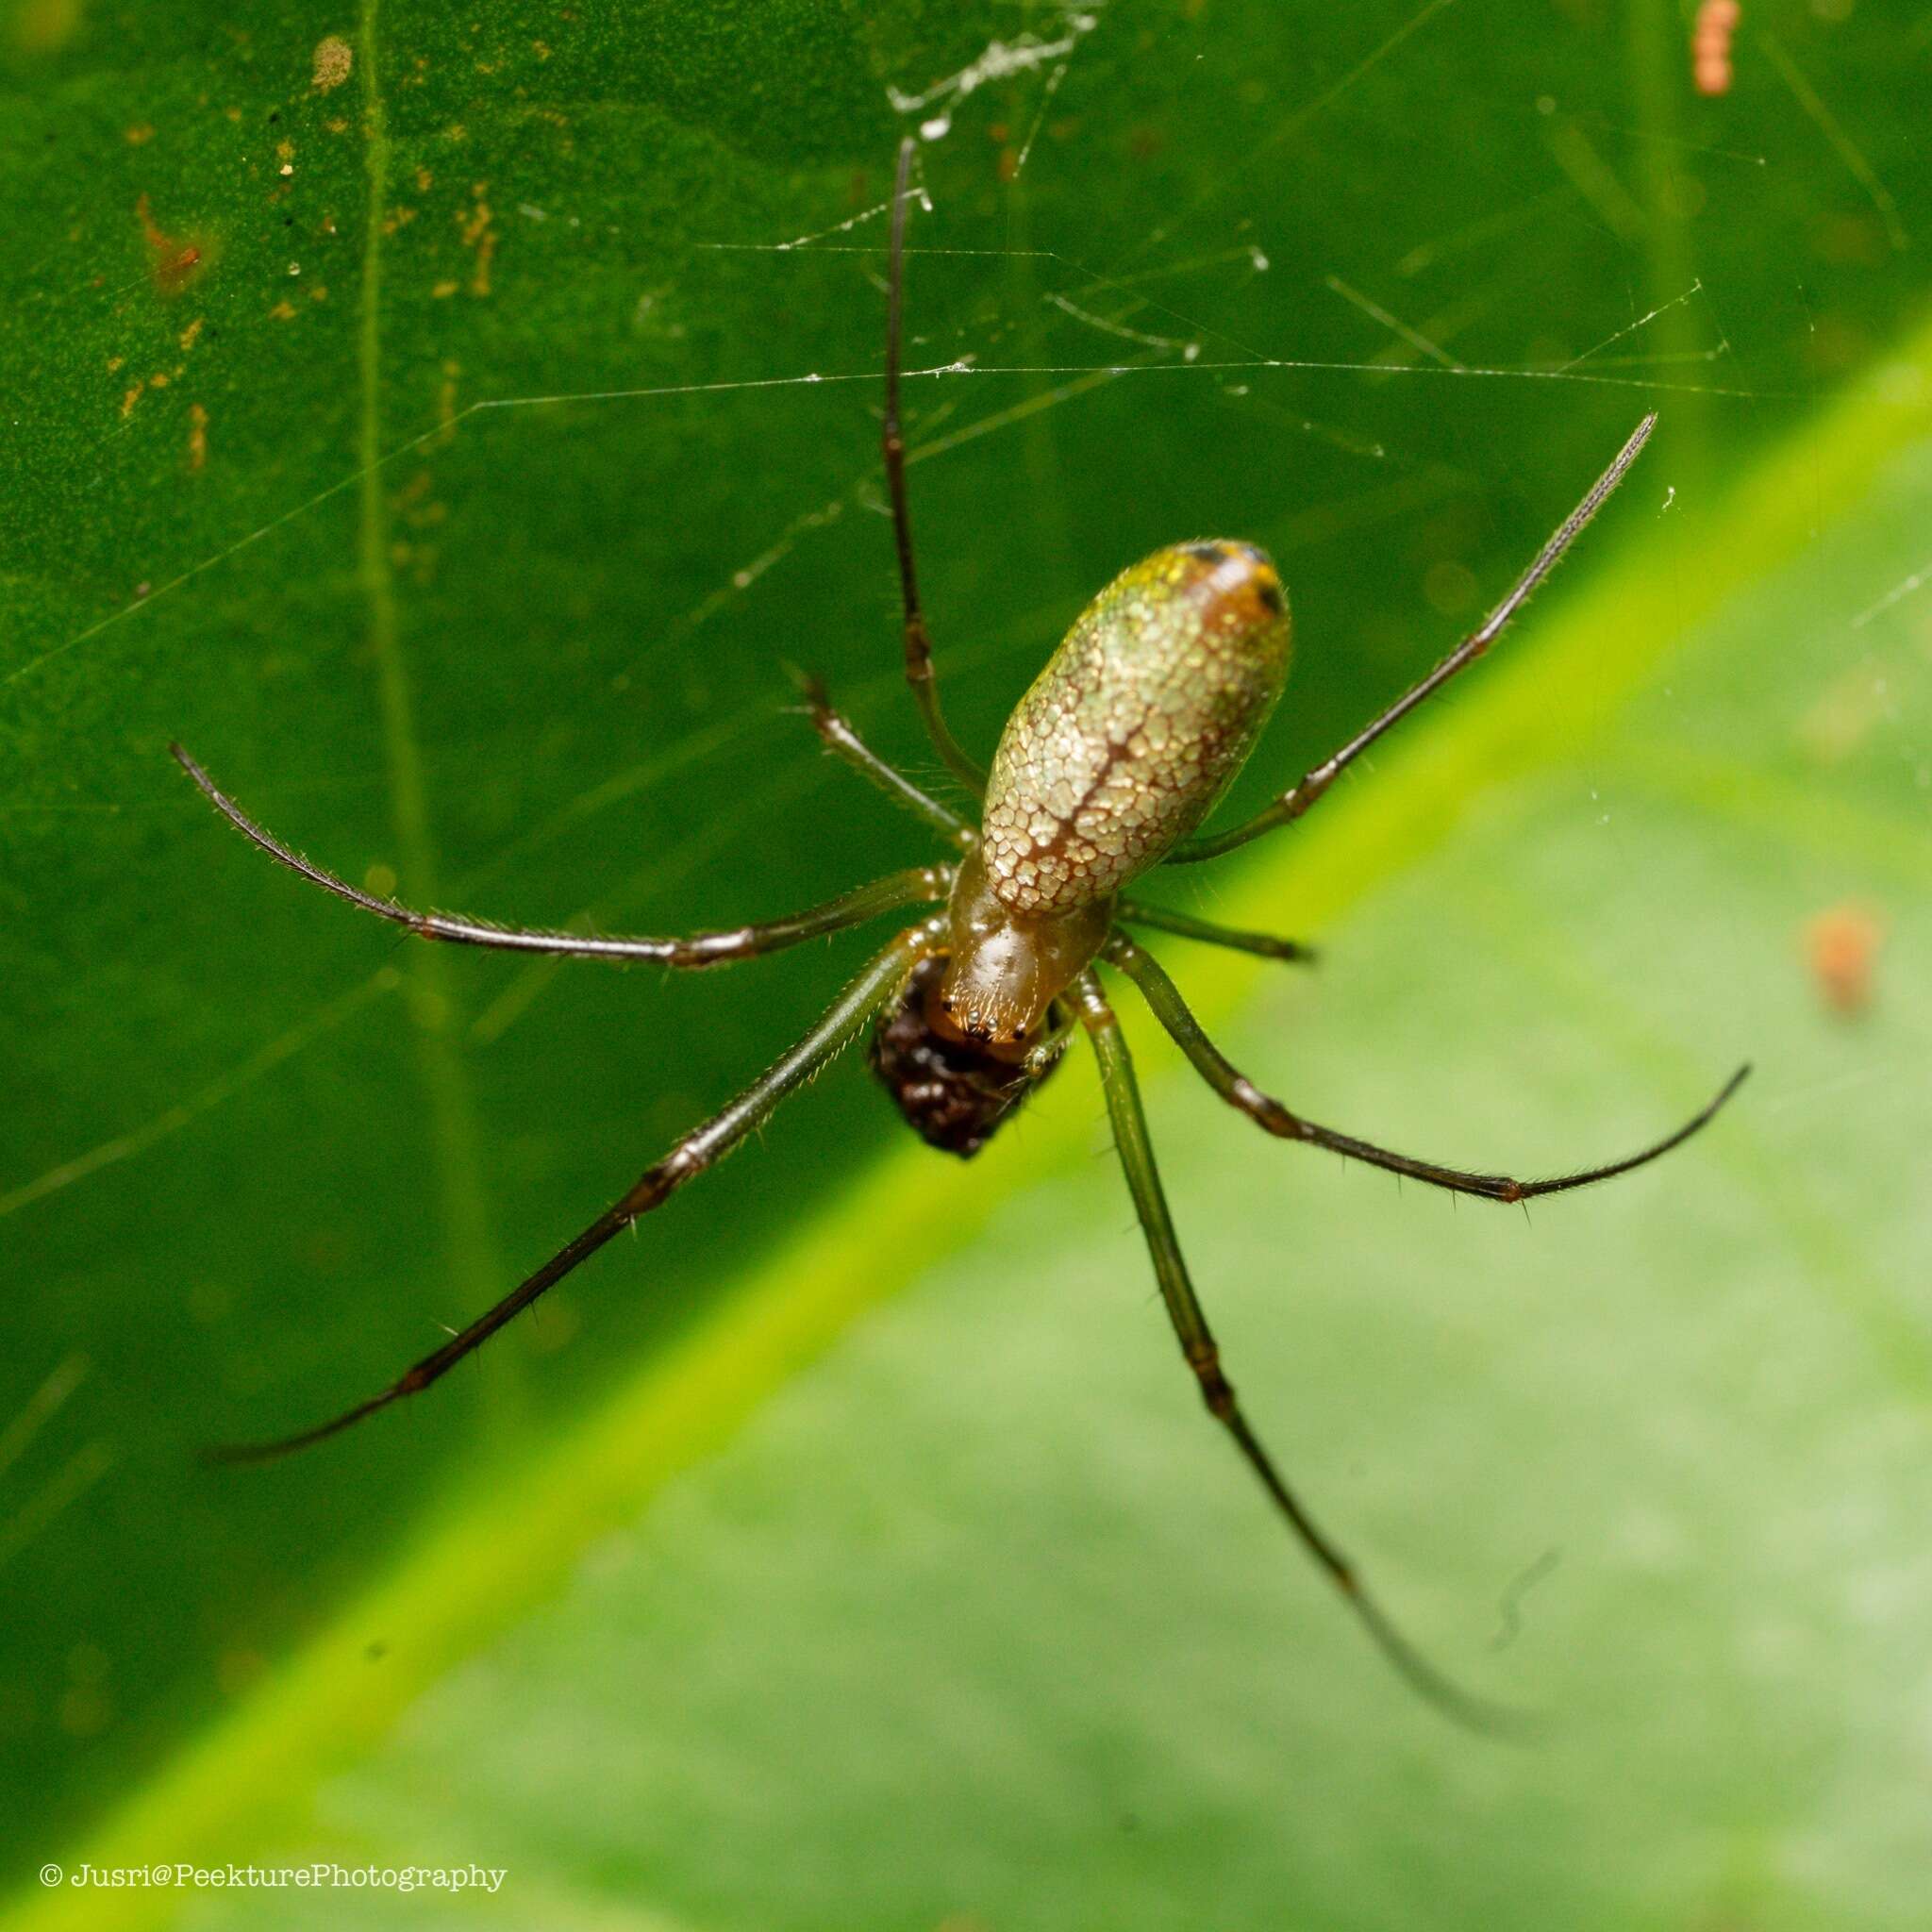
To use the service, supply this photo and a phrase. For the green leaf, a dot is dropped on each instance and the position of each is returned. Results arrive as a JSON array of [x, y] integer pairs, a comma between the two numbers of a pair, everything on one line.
[[691, 1620], [980, 1592]]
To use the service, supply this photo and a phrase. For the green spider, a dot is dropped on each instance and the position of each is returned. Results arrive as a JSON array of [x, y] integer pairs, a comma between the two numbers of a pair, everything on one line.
[[1105, 770]]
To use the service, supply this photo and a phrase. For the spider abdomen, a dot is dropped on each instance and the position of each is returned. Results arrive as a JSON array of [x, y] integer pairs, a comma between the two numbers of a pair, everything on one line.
[[1148, 708], [955, 1094]]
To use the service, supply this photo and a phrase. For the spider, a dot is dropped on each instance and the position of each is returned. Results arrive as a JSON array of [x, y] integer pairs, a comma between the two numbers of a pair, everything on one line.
[[1105, 769]]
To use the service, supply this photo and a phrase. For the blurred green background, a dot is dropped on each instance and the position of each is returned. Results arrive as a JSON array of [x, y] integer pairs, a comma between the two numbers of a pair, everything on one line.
[[422, 414]]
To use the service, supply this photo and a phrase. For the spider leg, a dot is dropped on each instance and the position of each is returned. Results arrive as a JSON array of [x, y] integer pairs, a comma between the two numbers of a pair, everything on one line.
[[1203, 1357], [919, 886], [1163, 919], [1298, 798], [1235, 1088], [848, 1017], [919, 671], [842, 740]]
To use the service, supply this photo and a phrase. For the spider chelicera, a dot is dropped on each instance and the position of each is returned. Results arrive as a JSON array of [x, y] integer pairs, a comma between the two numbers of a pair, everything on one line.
[[1105, 770]]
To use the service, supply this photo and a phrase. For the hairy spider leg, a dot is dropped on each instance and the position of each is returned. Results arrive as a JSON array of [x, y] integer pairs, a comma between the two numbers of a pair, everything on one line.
[[1163, 919], [842, 740], [917, 886], [1299, 797], [1234, 1087], [1198, 1345], [919, 671], [703, 1147]]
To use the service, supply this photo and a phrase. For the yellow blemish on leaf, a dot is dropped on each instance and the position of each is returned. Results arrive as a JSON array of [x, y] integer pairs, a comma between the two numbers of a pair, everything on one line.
[[479, 234], [191, 331], [42, 26], [334, 58], [197, 437], [175, 259]]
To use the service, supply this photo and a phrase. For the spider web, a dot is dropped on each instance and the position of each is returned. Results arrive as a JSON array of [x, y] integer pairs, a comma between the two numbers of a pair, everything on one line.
[[1127, 324]]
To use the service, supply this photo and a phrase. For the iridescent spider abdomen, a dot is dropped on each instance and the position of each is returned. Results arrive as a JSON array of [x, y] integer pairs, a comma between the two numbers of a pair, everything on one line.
[[1136, 726], [1118, 751]]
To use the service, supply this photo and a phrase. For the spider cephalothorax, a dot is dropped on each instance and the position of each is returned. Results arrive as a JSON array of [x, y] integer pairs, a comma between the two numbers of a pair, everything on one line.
[[1105, 769], [954, 1090]]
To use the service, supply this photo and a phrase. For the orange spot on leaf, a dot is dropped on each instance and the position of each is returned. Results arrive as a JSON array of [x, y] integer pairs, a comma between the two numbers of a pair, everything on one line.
[[1841, 946], [175, 261], [1711, 46]]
